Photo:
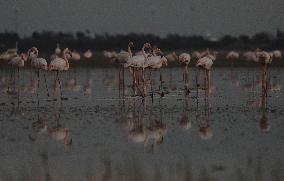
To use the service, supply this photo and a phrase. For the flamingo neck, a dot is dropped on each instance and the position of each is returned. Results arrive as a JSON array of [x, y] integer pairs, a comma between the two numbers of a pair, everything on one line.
[[129, 51], [144, 54], [66, 60]]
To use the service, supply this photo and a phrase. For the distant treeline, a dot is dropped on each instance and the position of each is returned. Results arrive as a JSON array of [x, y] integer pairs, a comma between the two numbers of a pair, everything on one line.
[[80, 41]]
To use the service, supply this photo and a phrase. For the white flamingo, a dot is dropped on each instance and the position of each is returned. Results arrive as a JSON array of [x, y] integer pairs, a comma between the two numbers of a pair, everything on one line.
[[232, 55], [18, 61], [88, 54], [57, 52]]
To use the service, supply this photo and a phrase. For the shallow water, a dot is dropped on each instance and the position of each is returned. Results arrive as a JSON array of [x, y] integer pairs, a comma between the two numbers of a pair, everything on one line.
[[241, 141]]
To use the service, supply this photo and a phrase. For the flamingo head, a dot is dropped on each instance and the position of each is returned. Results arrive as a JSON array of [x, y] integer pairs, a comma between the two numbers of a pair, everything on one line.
[[67, 53], [32, 53], [24, 56], [130, 44], [164, 60], [147, 45]]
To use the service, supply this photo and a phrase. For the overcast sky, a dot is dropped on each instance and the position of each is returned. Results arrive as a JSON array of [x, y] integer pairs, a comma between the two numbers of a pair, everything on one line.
[[160, 17]]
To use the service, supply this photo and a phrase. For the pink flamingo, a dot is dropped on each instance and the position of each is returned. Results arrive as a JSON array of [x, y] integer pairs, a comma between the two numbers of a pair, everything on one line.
[[38, 63], [60, 64], [264, 59], [205, 63], [137, 62], [184, 58], [57, 52], [17, 62], [156, 62]]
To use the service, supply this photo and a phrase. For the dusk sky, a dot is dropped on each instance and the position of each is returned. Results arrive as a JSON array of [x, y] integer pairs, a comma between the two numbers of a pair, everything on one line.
[[160, 17]]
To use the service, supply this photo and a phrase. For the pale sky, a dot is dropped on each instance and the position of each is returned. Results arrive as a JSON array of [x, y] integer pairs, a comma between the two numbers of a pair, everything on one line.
[[160, 17]]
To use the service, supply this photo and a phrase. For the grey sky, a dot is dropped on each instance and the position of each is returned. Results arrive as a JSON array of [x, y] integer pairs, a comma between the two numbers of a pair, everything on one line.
[[161, 17]]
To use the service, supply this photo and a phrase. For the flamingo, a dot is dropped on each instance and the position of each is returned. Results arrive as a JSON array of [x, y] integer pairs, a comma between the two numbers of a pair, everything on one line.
[[205, 63], [137, 62], [276, 54], [88, 54], [60, 64], [18, 62], [122, 58], [172, 57], [232, 55], [195, 55], [38, 63], [109, 54], [264, 59], [155, 61], [75, 55], [57, 52], [184, 58], [9, 54]]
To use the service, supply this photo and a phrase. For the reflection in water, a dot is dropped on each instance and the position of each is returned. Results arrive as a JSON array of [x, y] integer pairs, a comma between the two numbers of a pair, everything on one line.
[[149, 130], [146, 141], [185, 121], [205, 129], [264, 122], [55, 132]]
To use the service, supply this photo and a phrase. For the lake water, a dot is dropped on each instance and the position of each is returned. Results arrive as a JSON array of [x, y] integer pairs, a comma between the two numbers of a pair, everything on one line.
[[172, 138]]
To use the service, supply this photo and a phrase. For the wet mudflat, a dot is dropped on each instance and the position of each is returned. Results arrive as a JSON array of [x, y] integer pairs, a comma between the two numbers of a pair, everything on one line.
[[91, 134]]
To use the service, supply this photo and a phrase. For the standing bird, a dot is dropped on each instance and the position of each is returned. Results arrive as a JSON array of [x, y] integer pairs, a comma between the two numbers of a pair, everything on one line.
[[264, 59], [38, 63], [205, 63], [155, 62], [121, 58], [88, 54], [232, 55], [184, 58], [137, 62], [61, 64], [57, 52], [18, 61]]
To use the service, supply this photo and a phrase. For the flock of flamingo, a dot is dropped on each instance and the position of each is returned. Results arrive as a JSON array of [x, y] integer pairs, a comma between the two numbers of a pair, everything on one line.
[[147, 60]]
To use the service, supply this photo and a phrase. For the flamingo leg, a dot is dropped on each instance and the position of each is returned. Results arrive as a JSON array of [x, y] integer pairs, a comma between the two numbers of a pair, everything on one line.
[[186, 86], [37, 92], [119, 82], [123, 83], [161, 81], [46, 88], [61, 97], [208, 81], [196, 81]]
